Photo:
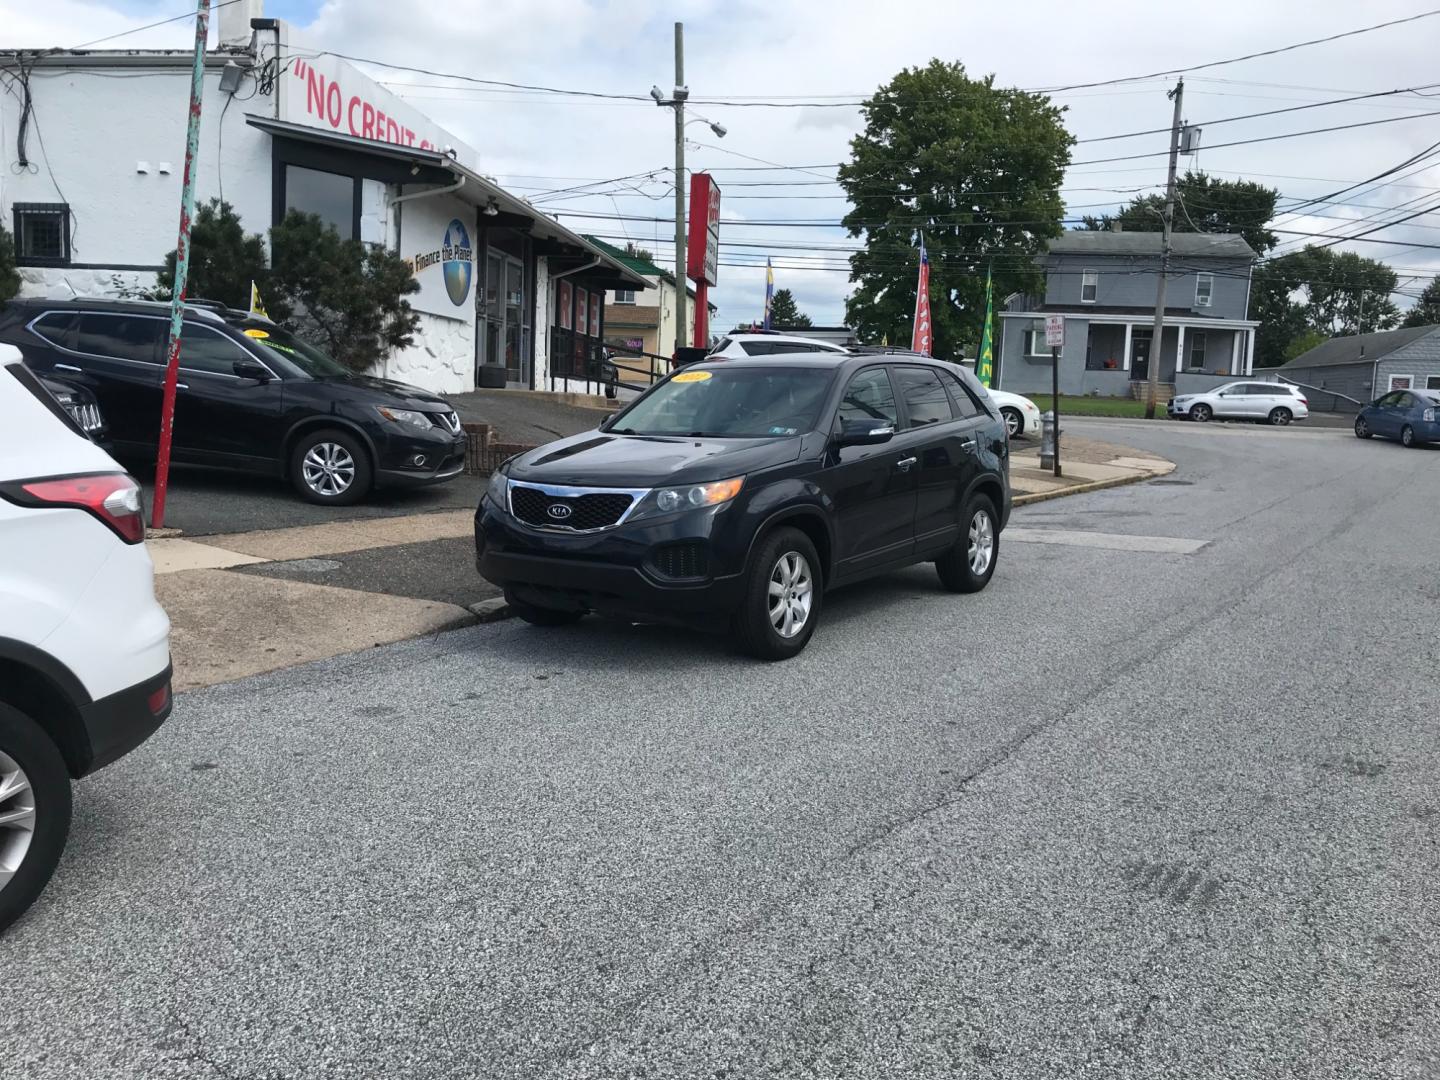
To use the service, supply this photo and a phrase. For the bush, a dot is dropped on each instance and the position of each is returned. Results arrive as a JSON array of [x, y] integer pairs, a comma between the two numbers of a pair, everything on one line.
[[345, 296], [223, 259], [9, 276]]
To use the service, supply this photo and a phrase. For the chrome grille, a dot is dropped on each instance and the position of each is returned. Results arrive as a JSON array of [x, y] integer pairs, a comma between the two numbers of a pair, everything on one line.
[[571, 509], [448, 420]]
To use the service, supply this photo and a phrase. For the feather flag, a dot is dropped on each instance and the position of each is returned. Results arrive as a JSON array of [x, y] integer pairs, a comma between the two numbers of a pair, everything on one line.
[[769, 291], [985, 358], [921, 337]]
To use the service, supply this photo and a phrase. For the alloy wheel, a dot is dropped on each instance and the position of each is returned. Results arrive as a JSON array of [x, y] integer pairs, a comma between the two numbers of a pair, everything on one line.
[[328, 469], [1407, 436], [791, 594], [1012, 422], [17, 817], [982, 543], [1362, 429], [1280, 417], [1200, 413]]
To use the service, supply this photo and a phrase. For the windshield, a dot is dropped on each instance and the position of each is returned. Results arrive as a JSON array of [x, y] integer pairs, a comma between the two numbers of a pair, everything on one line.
[[739, 401], [289, 356]]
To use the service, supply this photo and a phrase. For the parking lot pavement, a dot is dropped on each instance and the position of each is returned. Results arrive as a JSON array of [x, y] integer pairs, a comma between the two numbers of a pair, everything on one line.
[[525, 418], [202, 502], [1127, 813]]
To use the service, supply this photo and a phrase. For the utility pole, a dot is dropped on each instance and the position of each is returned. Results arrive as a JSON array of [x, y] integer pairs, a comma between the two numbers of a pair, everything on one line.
[[682, 330], [1157, 352], [182, 264]]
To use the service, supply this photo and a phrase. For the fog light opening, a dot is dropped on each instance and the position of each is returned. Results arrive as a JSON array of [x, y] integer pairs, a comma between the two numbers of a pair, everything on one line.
[[419, 461]]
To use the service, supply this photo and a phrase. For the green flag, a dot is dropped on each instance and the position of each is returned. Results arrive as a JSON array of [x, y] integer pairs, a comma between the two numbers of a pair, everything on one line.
[[985, 359]]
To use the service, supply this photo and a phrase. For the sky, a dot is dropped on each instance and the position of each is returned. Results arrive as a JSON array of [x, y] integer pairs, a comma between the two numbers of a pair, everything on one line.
[[800, 51]]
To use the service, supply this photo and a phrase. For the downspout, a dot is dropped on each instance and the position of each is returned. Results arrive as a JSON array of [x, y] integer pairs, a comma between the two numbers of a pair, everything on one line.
[[402, 198]]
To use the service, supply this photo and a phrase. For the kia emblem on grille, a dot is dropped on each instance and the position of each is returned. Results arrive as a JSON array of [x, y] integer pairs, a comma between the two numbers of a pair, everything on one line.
[[559, 511]]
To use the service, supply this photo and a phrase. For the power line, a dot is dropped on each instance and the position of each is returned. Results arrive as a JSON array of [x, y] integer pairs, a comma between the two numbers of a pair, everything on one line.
[[1247, 56], [1269, 138], [148, 26]]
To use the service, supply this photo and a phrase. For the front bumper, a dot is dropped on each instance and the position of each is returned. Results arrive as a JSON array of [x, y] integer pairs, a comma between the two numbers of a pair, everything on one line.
[[614, 572], [444, 459], [117, 724]]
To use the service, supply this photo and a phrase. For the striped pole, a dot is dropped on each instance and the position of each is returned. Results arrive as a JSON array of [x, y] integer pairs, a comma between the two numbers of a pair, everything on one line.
[[182, 264]]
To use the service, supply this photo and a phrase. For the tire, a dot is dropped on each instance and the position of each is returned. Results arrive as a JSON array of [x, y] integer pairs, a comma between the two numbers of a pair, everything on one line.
[[541, 616], [1280, 416], [29, 857], [970, 564], [1407, 436], [1014, 422], [1201, 413], [331, 468], [1362, 429], [787, 559]]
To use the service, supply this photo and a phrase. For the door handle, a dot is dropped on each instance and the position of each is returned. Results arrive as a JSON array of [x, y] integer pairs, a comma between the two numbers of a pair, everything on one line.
[[968, 444], [182, 386], [904, 463], [68, 367]]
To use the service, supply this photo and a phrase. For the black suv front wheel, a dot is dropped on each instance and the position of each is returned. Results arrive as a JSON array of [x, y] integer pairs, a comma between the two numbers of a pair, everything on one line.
[[782, 598], [330, 467]]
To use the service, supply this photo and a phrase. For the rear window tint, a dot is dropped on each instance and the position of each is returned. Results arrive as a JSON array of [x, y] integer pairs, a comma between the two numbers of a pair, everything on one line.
[[57, 327]]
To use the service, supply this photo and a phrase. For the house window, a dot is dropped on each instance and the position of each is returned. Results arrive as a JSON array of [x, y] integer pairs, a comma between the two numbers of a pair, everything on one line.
[[42, 234], [1035, 343], [1197, 349], [1089, 286], [624, 296], [1401, 382], [1432, 382], [1204, 287]]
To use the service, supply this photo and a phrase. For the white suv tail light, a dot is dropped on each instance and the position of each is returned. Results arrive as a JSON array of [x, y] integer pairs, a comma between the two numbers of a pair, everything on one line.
[[111, 498]]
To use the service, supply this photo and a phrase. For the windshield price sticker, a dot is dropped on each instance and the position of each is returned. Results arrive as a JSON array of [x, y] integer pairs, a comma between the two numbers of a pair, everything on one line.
[[692, 376]]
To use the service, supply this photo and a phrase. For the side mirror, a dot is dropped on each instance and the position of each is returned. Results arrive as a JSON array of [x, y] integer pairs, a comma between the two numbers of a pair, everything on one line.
[[864, 433], [605, 420], [251, 369]]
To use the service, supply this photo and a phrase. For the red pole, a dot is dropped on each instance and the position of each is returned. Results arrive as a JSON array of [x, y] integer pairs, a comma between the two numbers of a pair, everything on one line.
[[702, 315], [182, 264]]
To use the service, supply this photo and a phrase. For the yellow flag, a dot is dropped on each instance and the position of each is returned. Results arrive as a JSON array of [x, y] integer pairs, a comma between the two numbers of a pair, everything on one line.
[[256, 307]]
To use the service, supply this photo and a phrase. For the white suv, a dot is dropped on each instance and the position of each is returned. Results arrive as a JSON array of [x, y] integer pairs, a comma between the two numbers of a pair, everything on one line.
[[84, 647], [739, 346], [1276, 403]]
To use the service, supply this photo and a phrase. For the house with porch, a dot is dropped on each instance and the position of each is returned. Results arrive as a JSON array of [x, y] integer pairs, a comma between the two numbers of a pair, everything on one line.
[[1104, 284]]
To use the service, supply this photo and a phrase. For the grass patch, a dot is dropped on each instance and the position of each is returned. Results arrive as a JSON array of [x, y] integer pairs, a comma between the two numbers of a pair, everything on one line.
[[1074, 405]]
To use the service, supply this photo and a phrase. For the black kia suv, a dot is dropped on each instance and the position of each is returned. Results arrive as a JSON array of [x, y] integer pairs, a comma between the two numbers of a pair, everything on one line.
[[250, 396], [739, 494]]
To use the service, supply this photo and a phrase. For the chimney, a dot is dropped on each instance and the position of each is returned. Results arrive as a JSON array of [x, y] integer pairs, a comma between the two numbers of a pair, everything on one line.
[[234, 30]]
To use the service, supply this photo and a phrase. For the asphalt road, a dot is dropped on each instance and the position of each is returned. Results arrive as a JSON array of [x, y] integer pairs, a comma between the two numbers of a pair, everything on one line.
[[1124, 814], [207, 502]]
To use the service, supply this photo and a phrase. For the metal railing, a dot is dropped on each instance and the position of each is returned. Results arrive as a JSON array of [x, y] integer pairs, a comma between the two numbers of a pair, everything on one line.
[[604, 369], [1319, 398]]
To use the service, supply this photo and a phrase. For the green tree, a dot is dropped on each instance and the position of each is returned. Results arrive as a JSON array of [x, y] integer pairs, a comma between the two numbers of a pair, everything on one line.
[[1426, 311], [974, 168], [1318, 288], [9, 276], [1304, 342], [224, 259], [346, 296], [785, 313], [1203, 204], [635, 251]]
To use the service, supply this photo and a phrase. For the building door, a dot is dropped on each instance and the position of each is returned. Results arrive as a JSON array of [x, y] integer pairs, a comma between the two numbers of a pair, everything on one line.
[[1140, 354], [505, 317]]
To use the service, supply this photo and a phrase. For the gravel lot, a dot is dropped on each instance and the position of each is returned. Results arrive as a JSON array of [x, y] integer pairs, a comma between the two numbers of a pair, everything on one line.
[[1124, 814]]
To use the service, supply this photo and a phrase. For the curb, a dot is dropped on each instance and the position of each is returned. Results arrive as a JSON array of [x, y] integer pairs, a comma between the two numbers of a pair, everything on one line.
[[1079, 489], [162, 534], [492, 610]]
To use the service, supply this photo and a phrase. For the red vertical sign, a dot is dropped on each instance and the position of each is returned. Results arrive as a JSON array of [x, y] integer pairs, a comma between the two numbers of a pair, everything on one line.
[[921, 337]]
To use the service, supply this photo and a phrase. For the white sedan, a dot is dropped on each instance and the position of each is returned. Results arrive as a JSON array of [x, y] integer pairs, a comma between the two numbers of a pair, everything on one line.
[[1022, 416]]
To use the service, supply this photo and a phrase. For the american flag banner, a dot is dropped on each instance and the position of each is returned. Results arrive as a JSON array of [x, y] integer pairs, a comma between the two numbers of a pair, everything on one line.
[[921, 337]]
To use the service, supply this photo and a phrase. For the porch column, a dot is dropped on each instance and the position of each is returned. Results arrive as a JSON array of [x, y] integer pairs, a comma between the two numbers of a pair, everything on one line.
[[1250, 352], [1126, 365], [1180, 350], [1235, 337]]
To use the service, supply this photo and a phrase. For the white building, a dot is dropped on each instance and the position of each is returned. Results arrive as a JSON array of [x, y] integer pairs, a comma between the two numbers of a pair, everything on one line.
[[94, 148]]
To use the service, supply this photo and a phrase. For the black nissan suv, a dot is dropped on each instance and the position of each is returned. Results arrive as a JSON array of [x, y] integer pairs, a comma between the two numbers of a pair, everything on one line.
[[251, 396], [738, 494]]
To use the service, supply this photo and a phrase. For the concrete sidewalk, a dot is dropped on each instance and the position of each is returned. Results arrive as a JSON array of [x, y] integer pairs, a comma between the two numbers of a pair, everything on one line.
[[1085, 465]]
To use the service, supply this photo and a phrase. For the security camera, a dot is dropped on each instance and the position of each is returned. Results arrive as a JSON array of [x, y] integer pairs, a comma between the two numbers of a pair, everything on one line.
[[658, 95]]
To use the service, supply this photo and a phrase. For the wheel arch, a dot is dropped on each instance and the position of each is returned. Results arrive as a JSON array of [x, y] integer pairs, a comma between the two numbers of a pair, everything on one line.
[[809, 520], [992, 489], [309, 424], [48, 693]]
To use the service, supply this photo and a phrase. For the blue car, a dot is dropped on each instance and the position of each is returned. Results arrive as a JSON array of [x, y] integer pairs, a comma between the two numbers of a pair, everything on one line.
[[1411, 416]]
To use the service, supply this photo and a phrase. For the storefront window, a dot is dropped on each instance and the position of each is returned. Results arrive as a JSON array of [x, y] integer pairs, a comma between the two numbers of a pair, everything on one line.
[[329, 195], [514, 306]]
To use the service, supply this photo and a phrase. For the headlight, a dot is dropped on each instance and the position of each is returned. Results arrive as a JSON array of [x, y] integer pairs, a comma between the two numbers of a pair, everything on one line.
[[498, 491], [682, 498], [404, 416]]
